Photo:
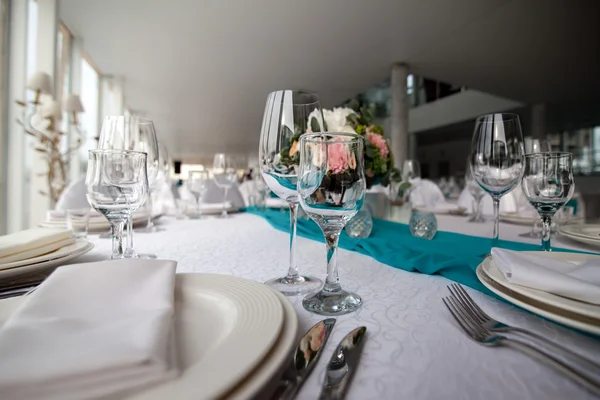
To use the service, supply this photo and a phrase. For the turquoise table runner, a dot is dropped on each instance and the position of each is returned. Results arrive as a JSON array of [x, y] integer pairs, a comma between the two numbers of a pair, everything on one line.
[[451, 255]]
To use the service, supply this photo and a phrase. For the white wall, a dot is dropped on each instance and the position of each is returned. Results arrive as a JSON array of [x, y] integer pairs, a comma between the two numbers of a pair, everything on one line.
[[456, 108]]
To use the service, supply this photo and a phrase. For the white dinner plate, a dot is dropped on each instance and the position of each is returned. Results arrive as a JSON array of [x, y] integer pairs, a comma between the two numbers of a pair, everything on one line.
[[46, 261], [453, 210], [566, 311], [225, 326], [524, 219], [583, 233], [204, 341], [95, 224]]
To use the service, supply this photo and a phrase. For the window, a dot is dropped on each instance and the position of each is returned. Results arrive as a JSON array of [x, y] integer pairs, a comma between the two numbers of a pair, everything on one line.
[[90, 94]]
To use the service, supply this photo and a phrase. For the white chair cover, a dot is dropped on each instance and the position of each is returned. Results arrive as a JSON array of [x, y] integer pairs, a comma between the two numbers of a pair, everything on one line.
[[514, 201], [214, 194], [425, 193], [74, 196]]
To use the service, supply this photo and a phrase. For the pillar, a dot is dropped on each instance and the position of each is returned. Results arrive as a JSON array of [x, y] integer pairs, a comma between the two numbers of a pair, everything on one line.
[[39, 203], [16, 149], [399, 118], [75, 77]]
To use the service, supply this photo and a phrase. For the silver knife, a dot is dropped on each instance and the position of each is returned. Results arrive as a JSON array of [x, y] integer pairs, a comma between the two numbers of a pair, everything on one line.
[[305, 358], [342, 365]]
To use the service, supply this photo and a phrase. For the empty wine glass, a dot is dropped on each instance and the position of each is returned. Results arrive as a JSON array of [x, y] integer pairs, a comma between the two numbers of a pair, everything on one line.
[[225, 175], [497, 158], [198, 185], [331, 187], [533, 146], [477, 192], [136, 134], [411, 173], [116, 185], [548, 185], [288, 115]]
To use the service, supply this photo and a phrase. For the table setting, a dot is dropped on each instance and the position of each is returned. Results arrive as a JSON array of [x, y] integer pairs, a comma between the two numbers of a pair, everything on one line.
[[210, 312]]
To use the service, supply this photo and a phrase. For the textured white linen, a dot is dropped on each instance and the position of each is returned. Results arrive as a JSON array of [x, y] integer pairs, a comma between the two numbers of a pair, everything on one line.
[[414, 348], [579, 282], [91, 331]]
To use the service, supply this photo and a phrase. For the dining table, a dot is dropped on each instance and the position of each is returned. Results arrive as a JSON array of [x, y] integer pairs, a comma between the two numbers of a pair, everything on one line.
[[414, 348]]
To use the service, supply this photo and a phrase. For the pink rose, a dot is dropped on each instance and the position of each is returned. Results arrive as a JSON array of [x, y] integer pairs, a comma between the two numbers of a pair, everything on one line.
[[339, 157], [380, 142]]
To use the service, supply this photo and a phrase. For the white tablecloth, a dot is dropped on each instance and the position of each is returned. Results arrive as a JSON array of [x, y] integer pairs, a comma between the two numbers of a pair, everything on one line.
[[414, 349]]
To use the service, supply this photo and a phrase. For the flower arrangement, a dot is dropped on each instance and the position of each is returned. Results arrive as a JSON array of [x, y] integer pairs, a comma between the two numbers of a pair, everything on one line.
[[378, 157]]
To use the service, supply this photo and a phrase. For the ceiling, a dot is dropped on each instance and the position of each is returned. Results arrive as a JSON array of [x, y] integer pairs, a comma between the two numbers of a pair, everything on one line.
[[202, 69]]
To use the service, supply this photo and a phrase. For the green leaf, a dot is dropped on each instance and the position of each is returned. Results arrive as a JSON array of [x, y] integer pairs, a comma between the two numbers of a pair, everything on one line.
[[404, 185], [369, 152], [385, 180], [314, 125], [287, 132]]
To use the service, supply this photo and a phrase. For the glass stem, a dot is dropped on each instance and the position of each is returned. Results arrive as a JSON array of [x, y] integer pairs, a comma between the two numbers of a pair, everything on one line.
[[117, 239], [332, 281], [546, 226], [149, 223], [293, 271], [224, 211], [496, 222], [535, 225], [198, 206], [129, 252], [479, 209]]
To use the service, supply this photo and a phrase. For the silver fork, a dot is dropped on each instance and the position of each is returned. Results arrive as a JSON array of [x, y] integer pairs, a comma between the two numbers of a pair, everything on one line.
[[482, 335], [480, 317]]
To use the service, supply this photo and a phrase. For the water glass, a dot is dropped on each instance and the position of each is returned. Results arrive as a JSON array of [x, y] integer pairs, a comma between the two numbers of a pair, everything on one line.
[[78, 221], [198, 184], [477, 193], [225, 174], [496, 160], [423, 224], [331, 188], [116, 185], [548, 185], [361, 225]]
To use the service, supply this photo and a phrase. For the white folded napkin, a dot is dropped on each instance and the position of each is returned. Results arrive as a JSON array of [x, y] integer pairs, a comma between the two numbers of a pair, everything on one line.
[[92, 331], [29, 239], [576, 281], [276, 202], [35, 252]]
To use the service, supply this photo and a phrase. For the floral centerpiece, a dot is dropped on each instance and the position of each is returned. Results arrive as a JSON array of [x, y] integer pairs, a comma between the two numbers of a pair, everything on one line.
[[378, 157]]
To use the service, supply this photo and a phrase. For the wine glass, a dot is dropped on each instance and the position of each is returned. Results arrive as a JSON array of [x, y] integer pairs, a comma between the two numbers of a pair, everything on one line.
[[225, 176], [116, 185], [497, 158], [477, 192], [533, 146], [148, 143], [136, 134], [548, 185], [411, 173], [198, 185], [331, 187], [288, 115]]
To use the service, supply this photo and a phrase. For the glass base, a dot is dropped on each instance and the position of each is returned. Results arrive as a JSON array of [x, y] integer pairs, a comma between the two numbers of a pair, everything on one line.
[[293, 286], [142, 256], [531, 235], [476, 219], [149, 229], [332, 303]]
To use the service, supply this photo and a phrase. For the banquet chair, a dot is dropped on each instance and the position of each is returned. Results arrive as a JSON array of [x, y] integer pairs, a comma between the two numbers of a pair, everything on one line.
[[74, 196], [425, 193], [214, 194]]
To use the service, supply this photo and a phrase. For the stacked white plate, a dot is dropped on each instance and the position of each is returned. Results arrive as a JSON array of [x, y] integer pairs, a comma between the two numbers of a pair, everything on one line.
[[44, 262], [233, 337], [97, 221], [527, 219], [569, 312], [583, 233], [210, 209]]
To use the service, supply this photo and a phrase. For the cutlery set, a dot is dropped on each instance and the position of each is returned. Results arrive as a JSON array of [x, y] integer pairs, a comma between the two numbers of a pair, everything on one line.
[[340, 368], [483, 329]]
